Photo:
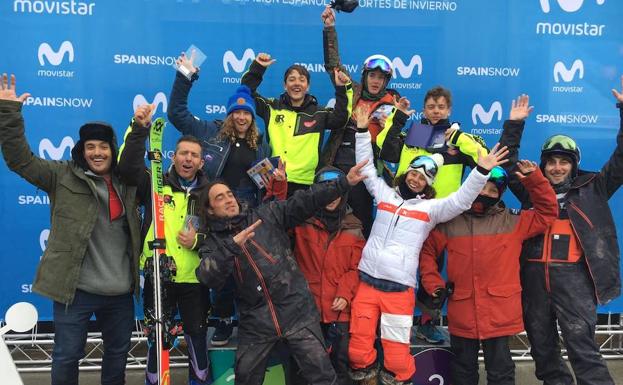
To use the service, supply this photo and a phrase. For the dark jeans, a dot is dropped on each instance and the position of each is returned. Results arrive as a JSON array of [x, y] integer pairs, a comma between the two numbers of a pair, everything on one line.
[[498, 361], [306, 347], [115, 318], [223, 299], [192, 300]]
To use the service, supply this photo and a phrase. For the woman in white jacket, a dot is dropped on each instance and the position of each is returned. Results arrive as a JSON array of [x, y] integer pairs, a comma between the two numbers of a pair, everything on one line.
[[405, 215]]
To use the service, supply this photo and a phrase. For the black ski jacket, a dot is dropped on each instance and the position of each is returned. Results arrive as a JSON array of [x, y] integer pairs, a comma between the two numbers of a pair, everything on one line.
[[588, 210], [272, 294]]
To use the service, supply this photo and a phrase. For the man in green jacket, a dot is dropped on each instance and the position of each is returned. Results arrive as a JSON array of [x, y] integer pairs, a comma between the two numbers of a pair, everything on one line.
[[90, 265]]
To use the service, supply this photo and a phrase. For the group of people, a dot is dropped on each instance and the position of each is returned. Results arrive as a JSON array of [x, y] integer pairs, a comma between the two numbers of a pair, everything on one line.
[[306, 260]]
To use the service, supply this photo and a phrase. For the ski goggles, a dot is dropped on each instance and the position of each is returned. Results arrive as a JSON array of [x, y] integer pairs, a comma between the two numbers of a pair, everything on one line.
[[378, 63], [426, 163], [329, 175], [558, 142], [499, 177]]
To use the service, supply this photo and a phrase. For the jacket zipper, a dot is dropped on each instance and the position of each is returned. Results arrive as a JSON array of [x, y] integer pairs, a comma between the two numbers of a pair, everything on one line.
[[269, 301], [548, 250], [263, 252], [219, 170], [391, 228], [582, 214], [238, 270]]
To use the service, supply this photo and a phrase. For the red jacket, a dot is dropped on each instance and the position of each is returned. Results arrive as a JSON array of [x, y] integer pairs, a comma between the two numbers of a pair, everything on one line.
[[483, 262], [330, 263]]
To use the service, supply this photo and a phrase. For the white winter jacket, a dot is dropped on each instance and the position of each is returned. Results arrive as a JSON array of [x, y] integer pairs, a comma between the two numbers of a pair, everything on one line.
[[392, 251]]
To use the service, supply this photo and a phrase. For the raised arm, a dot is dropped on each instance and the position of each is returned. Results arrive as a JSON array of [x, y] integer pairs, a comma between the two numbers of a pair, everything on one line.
[[338, 117], [253, 78], [461, 200], [363, 152], [15, 149], [131, 165], [611, 174], [511, 138], [178, 113], [543, 197], [331, 51]]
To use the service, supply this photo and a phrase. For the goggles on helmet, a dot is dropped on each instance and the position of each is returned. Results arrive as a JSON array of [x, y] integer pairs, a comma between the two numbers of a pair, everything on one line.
[[378, 62], [328, 175], [559, 142], [426, 163]]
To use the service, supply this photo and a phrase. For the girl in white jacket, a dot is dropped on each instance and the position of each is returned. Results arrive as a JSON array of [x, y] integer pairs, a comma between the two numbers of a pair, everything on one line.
[[405, 215]]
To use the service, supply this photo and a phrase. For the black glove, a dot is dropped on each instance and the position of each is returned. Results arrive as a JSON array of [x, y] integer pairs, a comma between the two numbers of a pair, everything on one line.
[[442, 294]]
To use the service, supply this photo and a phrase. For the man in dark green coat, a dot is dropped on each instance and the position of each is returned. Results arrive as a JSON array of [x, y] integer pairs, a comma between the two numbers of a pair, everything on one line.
[[90, 265]]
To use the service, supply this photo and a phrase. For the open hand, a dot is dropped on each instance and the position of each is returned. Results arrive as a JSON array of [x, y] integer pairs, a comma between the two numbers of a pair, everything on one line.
[[362, 116], [264, 60], [525, 167], [495, 157], [7, 90], [521, 108]]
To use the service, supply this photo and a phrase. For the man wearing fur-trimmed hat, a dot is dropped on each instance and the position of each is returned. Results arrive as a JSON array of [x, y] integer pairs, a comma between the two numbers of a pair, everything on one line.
[[90, 265]]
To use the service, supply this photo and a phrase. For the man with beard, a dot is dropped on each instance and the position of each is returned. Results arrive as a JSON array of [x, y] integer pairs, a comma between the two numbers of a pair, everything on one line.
[[574, 266], [274, 299]]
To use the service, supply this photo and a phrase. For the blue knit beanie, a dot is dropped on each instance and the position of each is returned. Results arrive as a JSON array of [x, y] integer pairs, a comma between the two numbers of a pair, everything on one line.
[[241, 100]]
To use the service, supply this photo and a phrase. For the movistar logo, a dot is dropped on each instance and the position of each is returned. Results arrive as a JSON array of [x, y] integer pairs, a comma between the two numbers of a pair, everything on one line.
[[55, 57], [566, 5], [486, 117], [55, 152], [567, 75], [231, 61], [159, 100], [406, 70]]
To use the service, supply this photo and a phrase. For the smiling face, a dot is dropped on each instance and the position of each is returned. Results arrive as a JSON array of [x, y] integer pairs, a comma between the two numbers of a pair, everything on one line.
[[296, 86], [187, 159], [375, 81], [242, 121], [557, 169], [98, 156], [221, 202], [416, 182], [436, 109]]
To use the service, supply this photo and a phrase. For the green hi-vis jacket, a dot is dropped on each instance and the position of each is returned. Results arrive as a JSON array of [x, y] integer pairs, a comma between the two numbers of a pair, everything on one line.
[[296, 134], [179, 205], [450, 175]]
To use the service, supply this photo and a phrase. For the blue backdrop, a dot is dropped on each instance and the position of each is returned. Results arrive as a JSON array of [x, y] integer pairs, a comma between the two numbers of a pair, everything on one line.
[[95, 59]]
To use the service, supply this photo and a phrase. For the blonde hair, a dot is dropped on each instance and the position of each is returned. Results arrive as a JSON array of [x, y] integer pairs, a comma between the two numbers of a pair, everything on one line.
[[228, 131]]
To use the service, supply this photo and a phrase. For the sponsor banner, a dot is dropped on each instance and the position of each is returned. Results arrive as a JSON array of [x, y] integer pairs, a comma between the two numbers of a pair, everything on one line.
[[90, 60]]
